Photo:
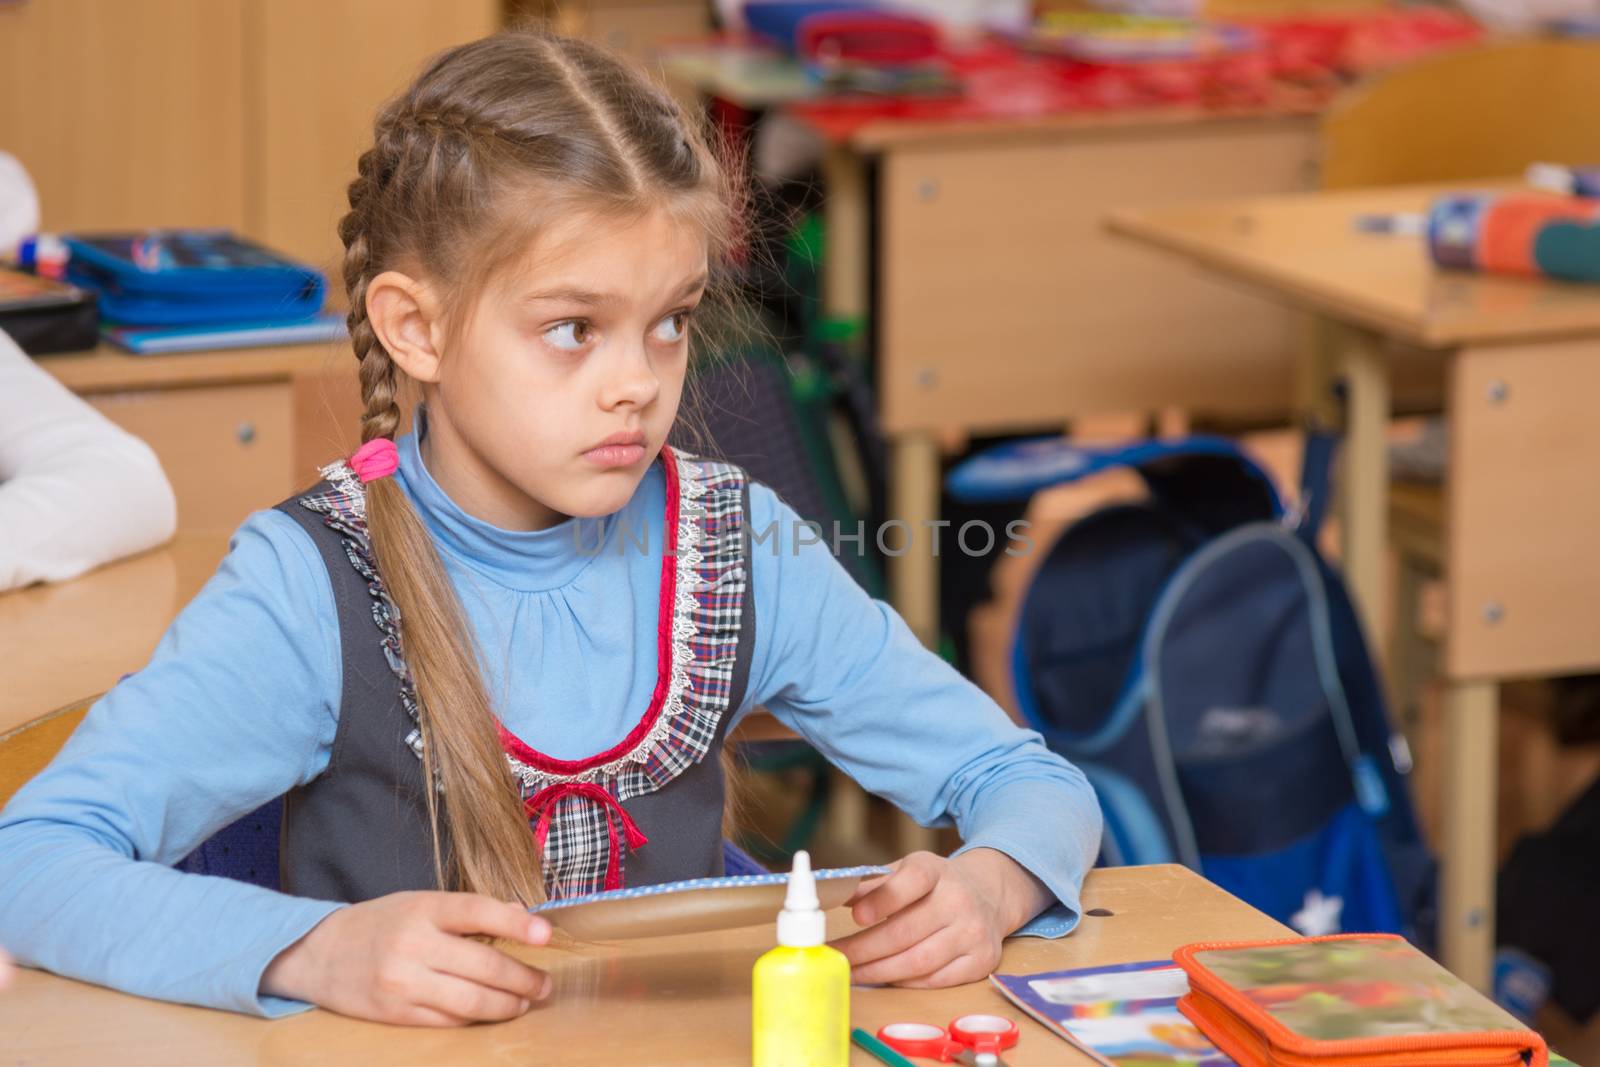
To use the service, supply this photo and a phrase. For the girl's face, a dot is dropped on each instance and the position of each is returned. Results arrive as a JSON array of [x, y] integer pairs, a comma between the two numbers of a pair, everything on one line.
[[567, 375]]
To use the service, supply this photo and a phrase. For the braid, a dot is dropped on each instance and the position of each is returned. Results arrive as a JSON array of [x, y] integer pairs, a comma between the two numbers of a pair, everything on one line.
[[377, 369], [379, 390], [445, 123]]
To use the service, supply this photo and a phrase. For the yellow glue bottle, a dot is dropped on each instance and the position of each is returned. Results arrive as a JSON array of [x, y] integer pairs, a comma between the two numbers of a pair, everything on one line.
[[802, 987]]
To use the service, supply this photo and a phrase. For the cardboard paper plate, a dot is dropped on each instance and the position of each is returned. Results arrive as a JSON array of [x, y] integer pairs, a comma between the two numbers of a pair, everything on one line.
[[693, 906]]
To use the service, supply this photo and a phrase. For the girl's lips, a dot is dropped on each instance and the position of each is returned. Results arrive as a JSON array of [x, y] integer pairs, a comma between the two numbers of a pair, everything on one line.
[[615, 455]]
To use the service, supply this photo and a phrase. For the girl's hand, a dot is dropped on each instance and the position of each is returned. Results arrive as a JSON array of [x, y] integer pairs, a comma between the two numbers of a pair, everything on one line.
[[935, 922], [406, 958], [5, 969]]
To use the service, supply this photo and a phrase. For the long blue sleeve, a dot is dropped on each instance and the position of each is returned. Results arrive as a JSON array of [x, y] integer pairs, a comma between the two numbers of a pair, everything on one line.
[[843, 670], [237, 705]]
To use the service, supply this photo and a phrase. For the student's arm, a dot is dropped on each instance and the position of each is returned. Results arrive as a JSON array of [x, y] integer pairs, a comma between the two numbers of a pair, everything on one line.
[[238, 704], [76, 490], [845, 672]]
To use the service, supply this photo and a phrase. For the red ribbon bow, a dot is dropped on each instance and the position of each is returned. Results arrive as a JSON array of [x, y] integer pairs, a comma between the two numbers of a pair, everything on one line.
[[543, 805]]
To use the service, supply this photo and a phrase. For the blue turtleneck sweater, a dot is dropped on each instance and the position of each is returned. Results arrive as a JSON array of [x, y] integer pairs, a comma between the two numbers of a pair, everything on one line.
[[240, 700]]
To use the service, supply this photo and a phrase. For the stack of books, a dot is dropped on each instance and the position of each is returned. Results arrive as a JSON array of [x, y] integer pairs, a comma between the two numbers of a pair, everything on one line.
[[186, 290]]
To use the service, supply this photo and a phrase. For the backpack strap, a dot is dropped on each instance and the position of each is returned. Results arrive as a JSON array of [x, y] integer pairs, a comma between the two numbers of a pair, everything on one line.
[[1316, 481]]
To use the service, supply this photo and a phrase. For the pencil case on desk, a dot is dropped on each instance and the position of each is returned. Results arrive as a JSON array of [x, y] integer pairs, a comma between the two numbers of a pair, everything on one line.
[[1371, 1000], [44, 316], [190, 277]]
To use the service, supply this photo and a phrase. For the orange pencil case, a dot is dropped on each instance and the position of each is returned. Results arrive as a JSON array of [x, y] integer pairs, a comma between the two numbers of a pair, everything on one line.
[[1371, 1000]]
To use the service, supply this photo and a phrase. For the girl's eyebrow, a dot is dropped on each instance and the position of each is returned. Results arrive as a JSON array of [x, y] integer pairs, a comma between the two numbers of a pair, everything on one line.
[[692, 286], [591, 298], [568, 295]]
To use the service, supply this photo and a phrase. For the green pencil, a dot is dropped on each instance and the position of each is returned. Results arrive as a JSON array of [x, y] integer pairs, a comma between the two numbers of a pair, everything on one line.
[[879, 1049]]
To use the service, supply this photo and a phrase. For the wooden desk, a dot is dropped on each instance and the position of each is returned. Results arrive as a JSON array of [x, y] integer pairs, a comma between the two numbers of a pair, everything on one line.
[[1305, 249], [1523, 368], [67, 640], [683, 1000]]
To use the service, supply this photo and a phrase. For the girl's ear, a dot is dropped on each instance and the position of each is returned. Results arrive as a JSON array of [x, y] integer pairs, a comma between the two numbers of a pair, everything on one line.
[[404, 316]]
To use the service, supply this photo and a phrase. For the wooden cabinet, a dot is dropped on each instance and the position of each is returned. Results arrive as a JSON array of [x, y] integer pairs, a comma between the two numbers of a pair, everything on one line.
[[247, 114], [321, 71], [226, 449], [127, 114], [235, 431], [1004, 304]]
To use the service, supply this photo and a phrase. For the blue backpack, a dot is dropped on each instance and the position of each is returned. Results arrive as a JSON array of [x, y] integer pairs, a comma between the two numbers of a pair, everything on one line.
[[1203, 665]]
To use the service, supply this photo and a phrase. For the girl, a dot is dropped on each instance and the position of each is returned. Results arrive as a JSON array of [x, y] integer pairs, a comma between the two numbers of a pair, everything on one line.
[[496, 658]]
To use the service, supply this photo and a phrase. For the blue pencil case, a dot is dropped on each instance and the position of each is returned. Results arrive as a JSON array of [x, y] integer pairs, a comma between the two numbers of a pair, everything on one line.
[[162, 277]]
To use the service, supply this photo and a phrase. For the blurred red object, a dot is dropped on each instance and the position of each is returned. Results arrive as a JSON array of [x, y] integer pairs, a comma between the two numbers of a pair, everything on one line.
[[1320, 48], [1300, 62], [867, 37]]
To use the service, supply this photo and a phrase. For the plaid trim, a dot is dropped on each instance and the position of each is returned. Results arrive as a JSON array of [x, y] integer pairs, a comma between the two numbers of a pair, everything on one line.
[[577, 849], [343, 507], [708, 606], [711, 575]]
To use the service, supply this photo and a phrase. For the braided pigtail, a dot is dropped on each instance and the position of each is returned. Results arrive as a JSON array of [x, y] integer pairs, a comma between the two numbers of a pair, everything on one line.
[[490, 848]]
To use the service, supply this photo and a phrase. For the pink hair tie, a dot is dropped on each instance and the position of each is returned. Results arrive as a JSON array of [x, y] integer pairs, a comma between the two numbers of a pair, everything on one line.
[[378, 458]]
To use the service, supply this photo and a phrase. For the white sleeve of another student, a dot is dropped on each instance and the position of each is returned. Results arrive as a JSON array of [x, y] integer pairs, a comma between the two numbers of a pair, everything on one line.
[[76, 490]]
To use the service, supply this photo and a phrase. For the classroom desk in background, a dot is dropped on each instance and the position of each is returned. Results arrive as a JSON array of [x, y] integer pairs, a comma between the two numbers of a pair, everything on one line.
[[1521, 362], [235, 430], [680, 1000], [66, 640], [997, 302]]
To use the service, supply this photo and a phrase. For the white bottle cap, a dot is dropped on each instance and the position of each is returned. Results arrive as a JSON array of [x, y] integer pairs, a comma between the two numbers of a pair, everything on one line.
[[1551, 176], [801, 923]]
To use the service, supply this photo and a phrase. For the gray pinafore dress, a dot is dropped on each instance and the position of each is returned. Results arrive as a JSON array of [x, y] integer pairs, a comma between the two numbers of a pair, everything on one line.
[[646, 810]]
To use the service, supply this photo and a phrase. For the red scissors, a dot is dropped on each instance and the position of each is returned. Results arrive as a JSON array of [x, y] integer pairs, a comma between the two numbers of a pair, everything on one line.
[[971, 1039]]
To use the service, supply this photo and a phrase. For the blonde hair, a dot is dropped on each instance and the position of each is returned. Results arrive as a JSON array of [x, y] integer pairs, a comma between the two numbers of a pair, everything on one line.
[[493, 138]]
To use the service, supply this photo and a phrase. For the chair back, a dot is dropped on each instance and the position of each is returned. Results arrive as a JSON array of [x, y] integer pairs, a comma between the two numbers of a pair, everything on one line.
[[25, 750], [1484, 111]]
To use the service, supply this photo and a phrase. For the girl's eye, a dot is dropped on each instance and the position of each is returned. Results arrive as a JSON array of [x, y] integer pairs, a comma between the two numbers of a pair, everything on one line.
[[670, 330], [569, 336]]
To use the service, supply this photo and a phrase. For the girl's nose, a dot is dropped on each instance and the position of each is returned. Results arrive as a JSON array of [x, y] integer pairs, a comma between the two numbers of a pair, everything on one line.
[[631, 381]]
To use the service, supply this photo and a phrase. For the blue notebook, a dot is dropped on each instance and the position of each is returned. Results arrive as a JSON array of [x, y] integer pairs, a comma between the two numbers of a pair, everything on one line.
[[155, 340], [1123, 1015]]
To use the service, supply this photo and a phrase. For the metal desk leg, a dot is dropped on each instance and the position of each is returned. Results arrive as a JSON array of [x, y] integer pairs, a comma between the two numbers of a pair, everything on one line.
[[914, 575], [845, 288], [846, 295], [1466, 930], [914, 501], [1364, 475]]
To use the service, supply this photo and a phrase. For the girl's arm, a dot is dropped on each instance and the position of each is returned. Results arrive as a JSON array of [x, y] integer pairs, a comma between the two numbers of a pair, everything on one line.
[[845, 672], [76, 490], [237, 705]]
